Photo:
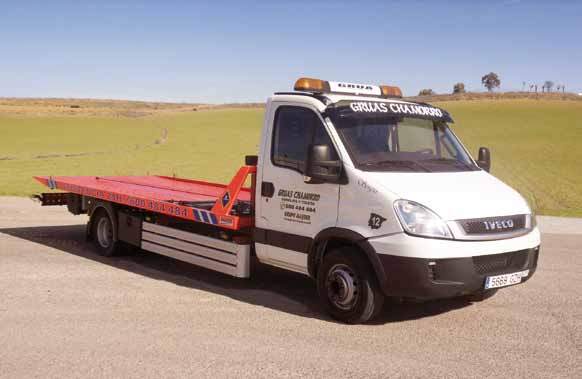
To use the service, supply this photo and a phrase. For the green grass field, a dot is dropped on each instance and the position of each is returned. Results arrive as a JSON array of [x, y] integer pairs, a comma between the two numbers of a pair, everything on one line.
[[536, 146], [206, 144]]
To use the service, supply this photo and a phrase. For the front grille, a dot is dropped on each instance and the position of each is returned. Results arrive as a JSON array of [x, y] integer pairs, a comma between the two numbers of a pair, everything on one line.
[[493, 225], [490, 264]]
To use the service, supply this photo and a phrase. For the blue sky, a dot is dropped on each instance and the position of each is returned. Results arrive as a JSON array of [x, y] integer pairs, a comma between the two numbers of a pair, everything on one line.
[[244, 51]]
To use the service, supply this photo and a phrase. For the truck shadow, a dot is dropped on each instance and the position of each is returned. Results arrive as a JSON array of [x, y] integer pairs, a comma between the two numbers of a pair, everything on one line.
[[268, 287]]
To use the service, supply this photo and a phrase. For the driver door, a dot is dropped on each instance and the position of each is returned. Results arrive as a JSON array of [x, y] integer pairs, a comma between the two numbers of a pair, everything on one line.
[[291, 212]]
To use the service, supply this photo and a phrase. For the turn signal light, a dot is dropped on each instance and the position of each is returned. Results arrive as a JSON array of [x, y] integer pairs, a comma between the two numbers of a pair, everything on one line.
[[311, 85], [391, 91]]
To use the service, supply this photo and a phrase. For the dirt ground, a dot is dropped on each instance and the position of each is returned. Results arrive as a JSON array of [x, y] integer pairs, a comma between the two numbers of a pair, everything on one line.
[[67, 312]]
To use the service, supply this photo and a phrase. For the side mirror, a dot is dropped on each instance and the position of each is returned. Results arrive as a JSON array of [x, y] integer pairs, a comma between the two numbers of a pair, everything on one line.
[[484, 160], [320, 167]]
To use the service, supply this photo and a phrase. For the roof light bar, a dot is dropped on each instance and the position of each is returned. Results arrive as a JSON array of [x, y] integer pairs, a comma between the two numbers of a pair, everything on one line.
[[323, 86]]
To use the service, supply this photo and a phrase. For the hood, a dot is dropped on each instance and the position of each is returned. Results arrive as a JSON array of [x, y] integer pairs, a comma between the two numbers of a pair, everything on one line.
[[454, 195]]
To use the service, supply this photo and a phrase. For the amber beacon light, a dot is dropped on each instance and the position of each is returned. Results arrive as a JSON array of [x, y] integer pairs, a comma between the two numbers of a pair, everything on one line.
[[311, 85], [391, 91]]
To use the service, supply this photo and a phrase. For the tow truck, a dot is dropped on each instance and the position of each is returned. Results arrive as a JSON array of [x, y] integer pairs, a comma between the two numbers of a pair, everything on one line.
[[369, 194]]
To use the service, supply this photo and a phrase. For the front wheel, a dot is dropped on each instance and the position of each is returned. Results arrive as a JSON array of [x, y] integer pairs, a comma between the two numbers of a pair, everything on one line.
[[348, 287]]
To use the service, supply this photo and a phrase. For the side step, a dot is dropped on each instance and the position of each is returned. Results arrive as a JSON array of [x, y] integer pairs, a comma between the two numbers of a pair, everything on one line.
[[218, 255]]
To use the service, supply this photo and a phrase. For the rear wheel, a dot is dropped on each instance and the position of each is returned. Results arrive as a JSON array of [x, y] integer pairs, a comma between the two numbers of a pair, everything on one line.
[[348, 287], [102, 233]]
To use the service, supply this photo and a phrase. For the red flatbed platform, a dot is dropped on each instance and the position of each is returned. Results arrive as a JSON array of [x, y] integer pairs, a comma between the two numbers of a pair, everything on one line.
[[198, 201]]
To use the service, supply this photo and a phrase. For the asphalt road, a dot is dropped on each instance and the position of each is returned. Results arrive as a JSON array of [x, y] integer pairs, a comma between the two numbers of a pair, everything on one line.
[[66, 312]]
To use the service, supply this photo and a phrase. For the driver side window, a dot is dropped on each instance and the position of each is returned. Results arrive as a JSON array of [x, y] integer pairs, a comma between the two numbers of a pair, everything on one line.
[[294, 130]]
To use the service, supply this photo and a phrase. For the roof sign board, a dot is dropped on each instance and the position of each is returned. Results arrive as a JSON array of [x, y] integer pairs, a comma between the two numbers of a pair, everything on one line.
[[354, 88]]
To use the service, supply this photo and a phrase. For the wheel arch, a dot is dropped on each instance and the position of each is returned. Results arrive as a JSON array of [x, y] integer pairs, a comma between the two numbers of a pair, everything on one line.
[[332, 237]]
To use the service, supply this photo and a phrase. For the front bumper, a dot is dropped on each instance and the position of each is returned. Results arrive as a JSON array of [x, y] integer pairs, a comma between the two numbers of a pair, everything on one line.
[[433, 276], [423, 278]]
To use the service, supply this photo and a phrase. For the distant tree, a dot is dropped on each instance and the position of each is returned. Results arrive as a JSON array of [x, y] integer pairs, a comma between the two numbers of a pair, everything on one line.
[[531, 86], [549, 85], [522, 86], [536, 87], [459, 88], [490, 81], [426, 92]]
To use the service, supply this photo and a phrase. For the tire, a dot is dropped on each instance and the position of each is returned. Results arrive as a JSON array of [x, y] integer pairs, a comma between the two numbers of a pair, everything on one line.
[[481, 295], [102, 233], [348, 288]]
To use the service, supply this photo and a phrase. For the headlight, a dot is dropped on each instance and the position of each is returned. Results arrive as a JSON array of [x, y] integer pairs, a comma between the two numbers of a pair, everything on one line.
[[421, 221]]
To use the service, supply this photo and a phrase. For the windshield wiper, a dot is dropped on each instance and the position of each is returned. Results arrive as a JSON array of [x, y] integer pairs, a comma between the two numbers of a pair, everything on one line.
[[449, 160], [409, 164]]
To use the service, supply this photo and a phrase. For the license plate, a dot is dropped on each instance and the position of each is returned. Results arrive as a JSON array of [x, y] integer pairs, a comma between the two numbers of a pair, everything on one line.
[[505, 280]]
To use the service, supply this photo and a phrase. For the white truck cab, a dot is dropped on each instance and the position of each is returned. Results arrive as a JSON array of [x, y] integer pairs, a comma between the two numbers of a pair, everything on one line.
[[375, 196]]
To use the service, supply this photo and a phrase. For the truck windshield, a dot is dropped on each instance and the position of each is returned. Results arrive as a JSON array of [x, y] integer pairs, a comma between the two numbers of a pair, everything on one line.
[[402, 144]]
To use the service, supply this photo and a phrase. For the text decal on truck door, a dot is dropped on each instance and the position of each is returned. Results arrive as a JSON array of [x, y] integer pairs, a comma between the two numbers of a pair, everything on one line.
[[298, 206]]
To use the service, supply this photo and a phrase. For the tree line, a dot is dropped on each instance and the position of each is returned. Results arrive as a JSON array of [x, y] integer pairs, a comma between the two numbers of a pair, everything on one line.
[[492, 81]]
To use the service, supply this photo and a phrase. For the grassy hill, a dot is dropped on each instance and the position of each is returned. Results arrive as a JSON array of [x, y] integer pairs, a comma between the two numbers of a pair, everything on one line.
[[536, 145]]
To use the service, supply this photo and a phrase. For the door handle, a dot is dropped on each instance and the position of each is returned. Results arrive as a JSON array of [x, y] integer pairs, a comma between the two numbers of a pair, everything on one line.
[[267, 189]]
